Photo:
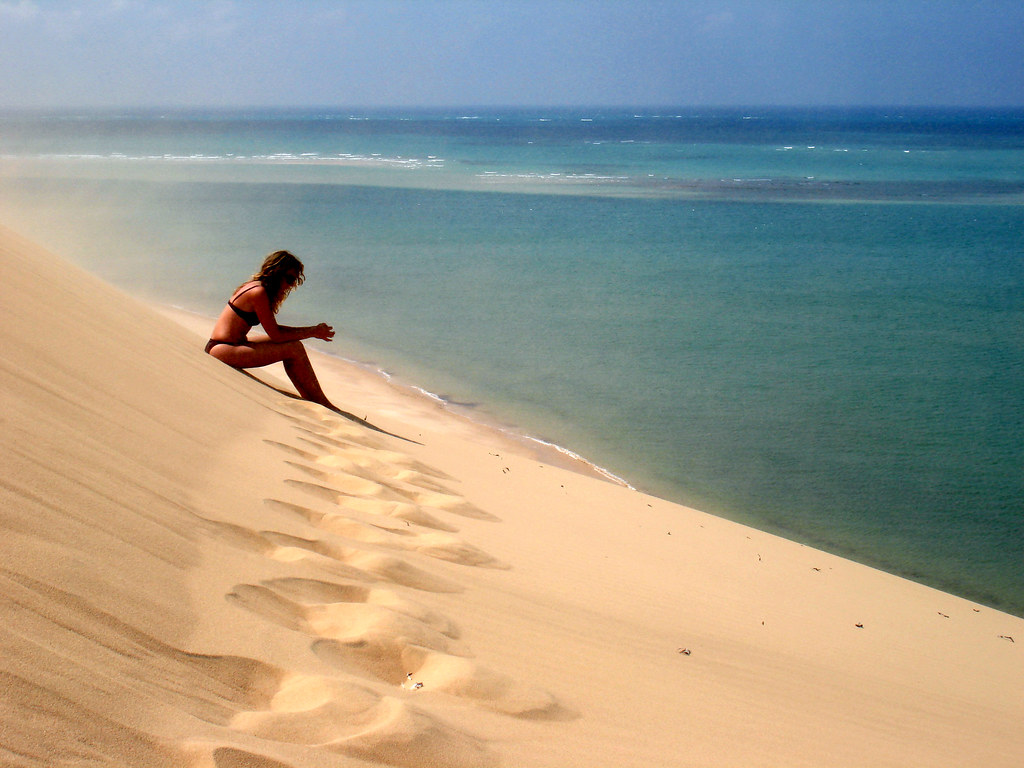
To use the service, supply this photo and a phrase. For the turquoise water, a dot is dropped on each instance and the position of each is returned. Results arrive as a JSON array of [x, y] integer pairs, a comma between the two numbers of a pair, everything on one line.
[[811, 322]]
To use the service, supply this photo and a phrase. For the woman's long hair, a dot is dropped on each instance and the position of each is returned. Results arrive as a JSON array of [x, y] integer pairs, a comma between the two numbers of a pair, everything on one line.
[[274, 276]]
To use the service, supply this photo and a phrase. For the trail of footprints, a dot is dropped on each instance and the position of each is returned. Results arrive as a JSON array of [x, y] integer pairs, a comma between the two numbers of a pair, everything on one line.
[[368, 508]]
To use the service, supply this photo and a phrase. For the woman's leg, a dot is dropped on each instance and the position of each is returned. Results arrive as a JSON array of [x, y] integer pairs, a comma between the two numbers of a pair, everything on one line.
[[256, 354]]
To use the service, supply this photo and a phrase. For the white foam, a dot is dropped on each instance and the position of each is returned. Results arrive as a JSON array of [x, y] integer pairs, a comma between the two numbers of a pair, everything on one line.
[[283, 158], [576, 457], [553, 177], [432, 395]]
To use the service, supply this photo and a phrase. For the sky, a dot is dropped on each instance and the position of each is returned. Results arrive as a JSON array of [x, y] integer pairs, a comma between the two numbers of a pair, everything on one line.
[[209, 53]]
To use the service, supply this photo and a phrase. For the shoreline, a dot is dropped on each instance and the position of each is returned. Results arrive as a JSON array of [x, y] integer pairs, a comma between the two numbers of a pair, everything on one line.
[[543, 450]]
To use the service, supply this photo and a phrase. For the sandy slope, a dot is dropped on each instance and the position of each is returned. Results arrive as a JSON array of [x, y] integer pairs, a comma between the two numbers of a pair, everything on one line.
[[198, 570]]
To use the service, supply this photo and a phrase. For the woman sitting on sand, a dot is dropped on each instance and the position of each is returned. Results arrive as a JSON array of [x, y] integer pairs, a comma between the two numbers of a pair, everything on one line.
[[256, 303]]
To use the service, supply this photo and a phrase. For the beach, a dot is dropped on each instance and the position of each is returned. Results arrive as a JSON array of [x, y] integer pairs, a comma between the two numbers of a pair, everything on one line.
[[201, 570], [804, 322]]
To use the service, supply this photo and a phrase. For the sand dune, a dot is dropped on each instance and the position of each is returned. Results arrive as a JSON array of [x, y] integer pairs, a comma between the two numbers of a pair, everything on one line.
[[199, 570]]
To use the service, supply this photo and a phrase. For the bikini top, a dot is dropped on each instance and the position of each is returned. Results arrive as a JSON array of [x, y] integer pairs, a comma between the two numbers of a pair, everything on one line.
[[249, 317]]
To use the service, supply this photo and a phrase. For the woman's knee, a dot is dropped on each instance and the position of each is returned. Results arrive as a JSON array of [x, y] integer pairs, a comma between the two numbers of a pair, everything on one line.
[[295, 350]]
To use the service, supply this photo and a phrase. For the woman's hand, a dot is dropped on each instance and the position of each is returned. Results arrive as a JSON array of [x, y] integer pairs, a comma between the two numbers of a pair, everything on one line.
[[323, 332]]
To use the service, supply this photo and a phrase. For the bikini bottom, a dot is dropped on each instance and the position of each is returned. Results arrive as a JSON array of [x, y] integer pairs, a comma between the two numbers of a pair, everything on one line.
[[214, 342]]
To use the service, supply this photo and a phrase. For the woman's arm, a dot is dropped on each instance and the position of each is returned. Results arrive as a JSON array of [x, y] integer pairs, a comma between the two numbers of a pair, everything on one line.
[[275, 332], [322, 331]]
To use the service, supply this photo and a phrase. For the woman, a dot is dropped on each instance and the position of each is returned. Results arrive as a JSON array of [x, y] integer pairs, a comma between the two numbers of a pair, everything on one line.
[[256, 303]]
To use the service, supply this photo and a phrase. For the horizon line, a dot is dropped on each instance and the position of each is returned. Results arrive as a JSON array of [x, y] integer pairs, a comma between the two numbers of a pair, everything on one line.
[[497, 107]]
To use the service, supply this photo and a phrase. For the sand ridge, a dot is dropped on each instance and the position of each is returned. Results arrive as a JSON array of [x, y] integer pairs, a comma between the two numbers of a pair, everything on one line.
[[199, 570]]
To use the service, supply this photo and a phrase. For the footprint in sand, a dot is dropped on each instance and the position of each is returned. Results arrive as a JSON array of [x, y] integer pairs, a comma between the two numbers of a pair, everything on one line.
[[237, 536], [379, 464], [291, 449], [407, 503], [377, 459], [369, 563], [351, 720], [399, 663], [447, 502], [433, 544], [463, 677], [344, 484], [339, 487], [317, 606], [349, 562], [346, 477], [313, 591], [347, 527], [353, 462], [335, 561], [374, 632], [400, 510]]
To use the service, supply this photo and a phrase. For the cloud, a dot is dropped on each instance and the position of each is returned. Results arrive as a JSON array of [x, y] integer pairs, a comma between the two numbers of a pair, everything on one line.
[[19, 11]]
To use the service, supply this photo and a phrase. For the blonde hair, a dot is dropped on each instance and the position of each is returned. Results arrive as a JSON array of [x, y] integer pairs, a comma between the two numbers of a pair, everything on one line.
[[273, 274]]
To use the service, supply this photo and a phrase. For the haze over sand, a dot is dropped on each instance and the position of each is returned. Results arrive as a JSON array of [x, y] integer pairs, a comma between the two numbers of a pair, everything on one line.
[[199, 570]]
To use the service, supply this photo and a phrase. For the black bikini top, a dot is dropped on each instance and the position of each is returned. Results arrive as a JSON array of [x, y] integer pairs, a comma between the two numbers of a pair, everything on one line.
[[249, 317]]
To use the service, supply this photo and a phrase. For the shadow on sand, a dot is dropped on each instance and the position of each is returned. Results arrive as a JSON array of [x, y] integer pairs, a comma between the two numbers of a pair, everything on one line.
[[338, 411]]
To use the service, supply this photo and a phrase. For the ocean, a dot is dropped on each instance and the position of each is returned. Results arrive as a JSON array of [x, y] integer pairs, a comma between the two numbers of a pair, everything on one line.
[[809, 321]]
